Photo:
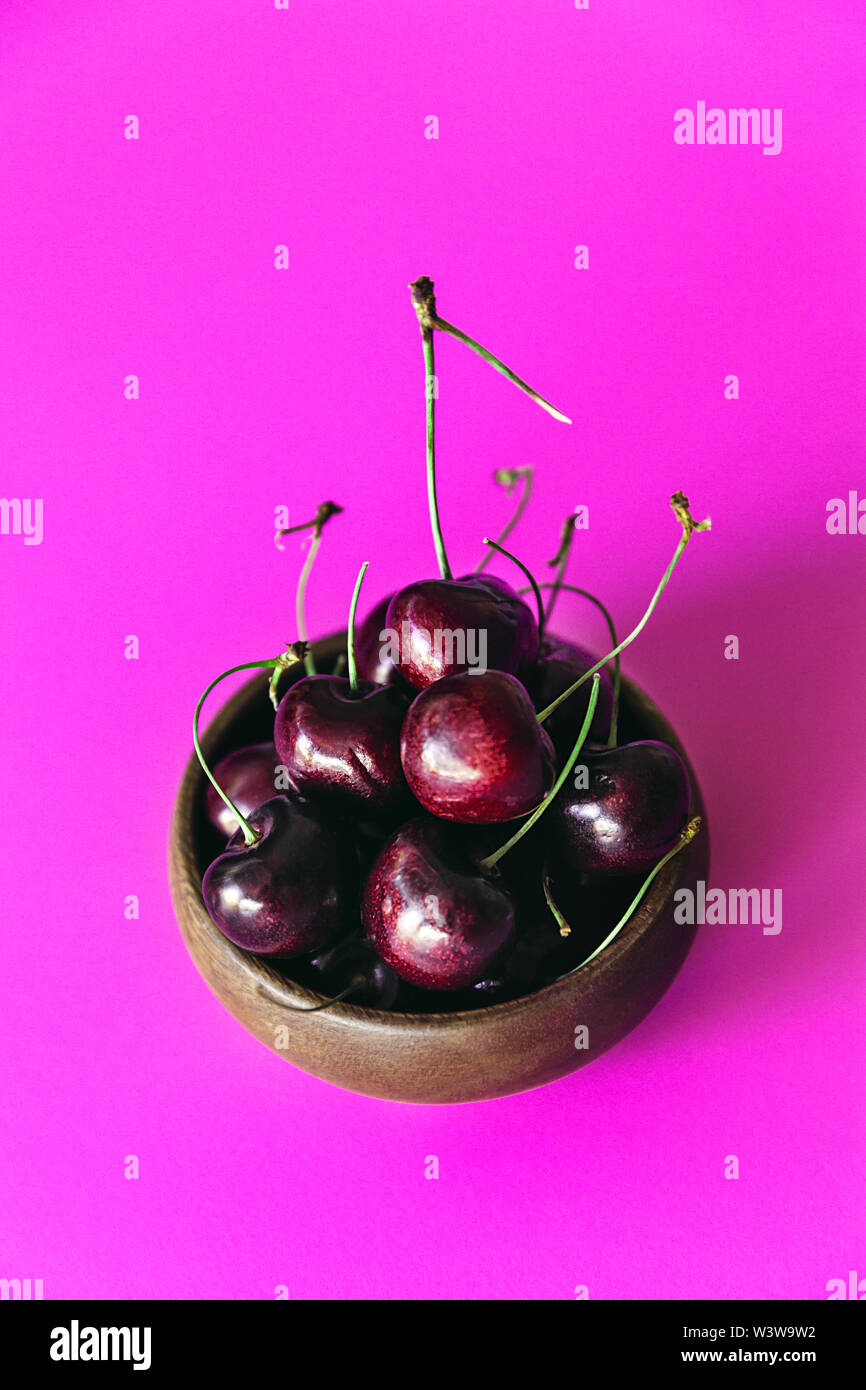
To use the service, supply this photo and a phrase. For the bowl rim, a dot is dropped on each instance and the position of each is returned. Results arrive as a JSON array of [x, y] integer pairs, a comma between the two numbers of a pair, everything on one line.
[[298, 998]]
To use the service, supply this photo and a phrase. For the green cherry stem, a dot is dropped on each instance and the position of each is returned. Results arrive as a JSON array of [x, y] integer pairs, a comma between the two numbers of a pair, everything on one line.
[[287, 658], [494, 545], [350, 640], [493, 859], [424, 301], [617, 674], [509, 478], [686, 838], [425, 308], [300, 598], [564, 928], [681, 509], [324, 514], [500, 366], [560, 562], [298, 652]]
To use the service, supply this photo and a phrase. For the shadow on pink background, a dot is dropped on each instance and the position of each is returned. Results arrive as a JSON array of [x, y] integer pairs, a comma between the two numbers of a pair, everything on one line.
[[261, 388]]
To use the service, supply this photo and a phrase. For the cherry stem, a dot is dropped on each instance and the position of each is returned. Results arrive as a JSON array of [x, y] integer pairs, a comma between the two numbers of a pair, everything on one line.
[[324, 514], [564, 928], [300, 597], [560, 562], [350, 641], [287, 658], [493, 859], [681, 508], [425, 308], [686, 838], [299, 651], [509, 478], [617, 674], [494, 545], [500, 366]]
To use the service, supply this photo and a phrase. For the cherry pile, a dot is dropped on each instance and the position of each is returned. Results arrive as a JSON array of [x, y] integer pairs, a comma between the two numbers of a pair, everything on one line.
[[431, 830]]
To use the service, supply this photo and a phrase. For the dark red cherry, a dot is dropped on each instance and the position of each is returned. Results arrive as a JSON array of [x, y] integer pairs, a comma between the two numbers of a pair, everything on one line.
[[473, 750], [342, 747], [249, 777], [591, 908], [353, 966], [560, 664], [540, 954], [371, 650], [291, 892], [631, 812], [537, 935], [440, 627], [431, 913]]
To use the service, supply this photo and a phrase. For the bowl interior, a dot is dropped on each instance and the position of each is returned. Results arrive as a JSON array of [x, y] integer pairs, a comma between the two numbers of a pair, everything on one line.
[[248, 718]]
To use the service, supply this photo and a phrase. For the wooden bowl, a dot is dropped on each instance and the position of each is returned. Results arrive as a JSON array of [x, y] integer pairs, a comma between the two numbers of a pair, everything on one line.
[[443, 1058]]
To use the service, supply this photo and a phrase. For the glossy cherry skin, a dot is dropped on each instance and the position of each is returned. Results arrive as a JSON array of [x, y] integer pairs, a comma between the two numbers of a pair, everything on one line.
[[293, 891], [479, 618], [431, 913], [632, 811], [249, 777], [354, 965], [473, 750], [562, 663], [342, 748]]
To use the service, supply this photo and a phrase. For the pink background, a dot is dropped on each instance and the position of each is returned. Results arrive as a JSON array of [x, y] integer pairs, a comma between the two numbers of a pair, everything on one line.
[[262, 387]]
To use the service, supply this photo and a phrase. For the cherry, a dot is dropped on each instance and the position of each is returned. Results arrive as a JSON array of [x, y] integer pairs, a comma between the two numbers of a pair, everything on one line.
[[353, 971], [547, 947], [561, 663], [434, 909], [249, 776], [440, 627], [340, 738], [590, 907], [537, 938], [370, 652], [290, 891], [342, 746], [432, 913], [473, 750], [631, 812]]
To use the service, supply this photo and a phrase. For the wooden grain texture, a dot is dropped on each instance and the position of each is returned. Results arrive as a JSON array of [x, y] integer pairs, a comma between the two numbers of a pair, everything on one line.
[[431, 1058]]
